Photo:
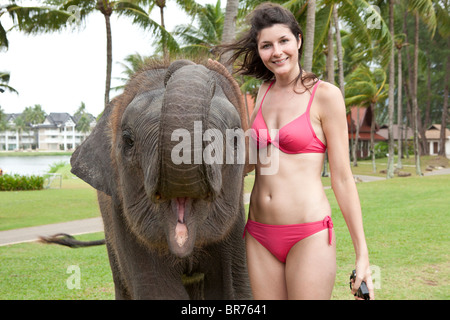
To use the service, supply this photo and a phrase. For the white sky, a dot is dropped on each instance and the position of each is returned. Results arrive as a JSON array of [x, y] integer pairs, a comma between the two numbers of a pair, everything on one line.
[[59, 70]]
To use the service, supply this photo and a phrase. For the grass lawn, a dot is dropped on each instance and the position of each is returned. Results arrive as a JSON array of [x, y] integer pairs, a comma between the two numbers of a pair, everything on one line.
[[405, 221], [75, 200]]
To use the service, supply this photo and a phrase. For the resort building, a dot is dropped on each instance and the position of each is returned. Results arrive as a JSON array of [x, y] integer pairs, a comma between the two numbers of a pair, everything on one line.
[[59, 131]]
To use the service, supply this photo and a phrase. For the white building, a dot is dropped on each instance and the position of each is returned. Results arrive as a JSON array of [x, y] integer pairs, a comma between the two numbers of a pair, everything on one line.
[[11, 139], [57, 132], [433, 135]]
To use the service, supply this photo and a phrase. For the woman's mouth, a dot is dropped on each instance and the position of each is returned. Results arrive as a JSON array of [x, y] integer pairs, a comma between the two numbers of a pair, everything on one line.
[[280, 61]]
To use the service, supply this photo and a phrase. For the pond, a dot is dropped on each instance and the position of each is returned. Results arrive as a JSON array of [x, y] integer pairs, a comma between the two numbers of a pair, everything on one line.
[[30, 165]]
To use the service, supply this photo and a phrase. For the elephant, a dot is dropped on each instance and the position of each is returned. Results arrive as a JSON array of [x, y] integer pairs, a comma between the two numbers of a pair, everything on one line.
[[172, 230]]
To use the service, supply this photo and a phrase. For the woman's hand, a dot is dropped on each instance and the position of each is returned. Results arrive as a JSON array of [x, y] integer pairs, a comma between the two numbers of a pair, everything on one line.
[[363, 273]]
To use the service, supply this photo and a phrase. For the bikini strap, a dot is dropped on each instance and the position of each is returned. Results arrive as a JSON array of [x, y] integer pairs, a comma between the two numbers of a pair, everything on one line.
[[270, 85], [312, 96]]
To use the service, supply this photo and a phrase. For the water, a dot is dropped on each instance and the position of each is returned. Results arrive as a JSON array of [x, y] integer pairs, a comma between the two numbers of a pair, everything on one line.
[[31, 165]]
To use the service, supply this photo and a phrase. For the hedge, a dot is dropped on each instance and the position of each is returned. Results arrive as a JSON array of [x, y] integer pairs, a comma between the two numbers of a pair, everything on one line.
[[17, 182]]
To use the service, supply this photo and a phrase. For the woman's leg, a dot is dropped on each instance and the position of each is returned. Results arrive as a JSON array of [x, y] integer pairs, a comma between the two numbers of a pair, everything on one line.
[[267, 276], [311, 267]]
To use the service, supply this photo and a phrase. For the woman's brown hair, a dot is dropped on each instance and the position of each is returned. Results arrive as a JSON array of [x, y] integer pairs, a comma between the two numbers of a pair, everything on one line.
[[264, 16]]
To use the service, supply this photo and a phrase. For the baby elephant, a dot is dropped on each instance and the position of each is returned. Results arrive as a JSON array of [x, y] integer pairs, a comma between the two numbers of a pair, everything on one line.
[[170, 183]]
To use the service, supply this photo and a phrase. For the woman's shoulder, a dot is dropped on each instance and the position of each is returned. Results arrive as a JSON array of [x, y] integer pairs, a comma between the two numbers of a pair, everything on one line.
[[328, 90], [329, 95], [329, 101]]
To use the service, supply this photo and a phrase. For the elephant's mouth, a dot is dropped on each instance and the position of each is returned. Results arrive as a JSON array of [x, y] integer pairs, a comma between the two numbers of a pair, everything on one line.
[[181, 236], [181, 231]]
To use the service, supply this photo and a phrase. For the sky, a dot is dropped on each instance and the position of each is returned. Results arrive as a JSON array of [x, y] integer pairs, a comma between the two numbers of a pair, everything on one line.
[[61, 70]]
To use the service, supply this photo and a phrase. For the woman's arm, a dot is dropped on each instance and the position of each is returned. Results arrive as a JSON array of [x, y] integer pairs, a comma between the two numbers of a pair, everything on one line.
[[334, 124]]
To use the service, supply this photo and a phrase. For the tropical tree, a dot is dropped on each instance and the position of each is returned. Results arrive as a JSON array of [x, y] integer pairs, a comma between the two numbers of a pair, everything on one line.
[[31, 19], [4, 80], [34, 115], [309, 35], [367, 88], [229, 27], [390, 165], [198, 40], [443, 18], [83, 119], [424, 9], [20, 126]]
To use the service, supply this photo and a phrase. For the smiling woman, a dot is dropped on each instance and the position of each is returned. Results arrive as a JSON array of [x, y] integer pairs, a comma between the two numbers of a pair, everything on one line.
[[289, 232]]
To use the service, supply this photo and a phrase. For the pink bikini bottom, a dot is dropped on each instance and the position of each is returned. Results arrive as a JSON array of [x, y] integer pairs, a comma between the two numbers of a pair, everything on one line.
[[279, 239]]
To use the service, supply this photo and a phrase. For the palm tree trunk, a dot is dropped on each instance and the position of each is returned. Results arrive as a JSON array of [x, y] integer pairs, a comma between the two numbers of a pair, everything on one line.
[[372, 137], [330, 56], [309, 35], [414, 96], [229, 27], [108, 58], [355, 146], [161, 4], [104, 6], [442, 137], [399, 109], [339, 51], [390, 165]]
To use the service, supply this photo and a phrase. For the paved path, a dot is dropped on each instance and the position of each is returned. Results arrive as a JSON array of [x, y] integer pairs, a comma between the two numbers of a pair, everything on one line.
[[32, 233], [96, 224]]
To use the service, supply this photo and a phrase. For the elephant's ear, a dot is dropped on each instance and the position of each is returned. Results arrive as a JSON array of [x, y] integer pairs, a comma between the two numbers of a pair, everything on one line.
[[91, 161]]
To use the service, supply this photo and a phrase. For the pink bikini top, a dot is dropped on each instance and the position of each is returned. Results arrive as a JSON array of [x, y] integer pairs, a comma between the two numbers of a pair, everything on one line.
[[297, 136]]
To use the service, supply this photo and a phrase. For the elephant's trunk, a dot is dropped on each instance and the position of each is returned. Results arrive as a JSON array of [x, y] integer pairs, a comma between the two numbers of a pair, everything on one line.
[[184, 117]]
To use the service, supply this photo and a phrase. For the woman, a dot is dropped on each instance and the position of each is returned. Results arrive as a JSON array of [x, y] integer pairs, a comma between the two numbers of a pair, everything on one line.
[[289, 238]]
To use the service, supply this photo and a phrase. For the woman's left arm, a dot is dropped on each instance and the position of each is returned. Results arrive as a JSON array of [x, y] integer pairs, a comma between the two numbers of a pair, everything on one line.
[[333, 118]]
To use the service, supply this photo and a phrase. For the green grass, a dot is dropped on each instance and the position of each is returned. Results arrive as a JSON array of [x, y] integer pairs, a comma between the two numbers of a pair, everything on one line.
[[20, 209], [405, 220], [31, 271], [406, 223]]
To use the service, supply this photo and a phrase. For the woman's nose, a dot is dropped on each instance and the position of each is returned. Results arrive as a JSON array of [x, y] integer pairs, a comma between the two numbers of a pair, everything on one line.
[[276, 50]]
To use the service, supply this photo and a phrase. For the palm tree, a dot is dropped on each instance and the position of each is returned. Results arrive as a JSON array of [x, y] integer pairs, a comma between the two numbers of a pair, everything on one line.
[[229, 27], [132, 64], [34, 115], [390, 165], [443, 19], [309, 35], [424, 9], [366, 87], [20, 126], [399, 43], [198, 40], [4, 79], [32, 19]]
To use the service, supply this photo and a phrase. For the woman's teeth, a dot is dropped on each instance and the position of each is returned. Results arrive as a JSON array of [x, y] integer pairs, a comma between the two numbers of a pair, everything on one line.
[[280, 61]]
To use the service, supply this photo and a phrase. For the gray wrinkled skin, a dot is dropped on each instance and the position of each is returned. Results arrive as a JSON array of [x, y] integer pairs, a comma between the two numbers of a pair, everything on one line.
[[172, 231]]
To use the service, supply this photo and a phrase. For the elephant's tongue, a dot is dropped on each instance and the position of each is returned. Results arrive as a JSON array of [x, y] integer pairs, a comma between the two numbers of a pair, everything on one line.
[[181, 232]]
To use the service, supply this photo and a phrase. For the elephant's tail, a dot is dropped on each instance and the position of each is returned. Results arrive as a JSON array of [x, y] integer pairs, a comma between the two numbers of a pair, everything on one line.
[[69, 241]]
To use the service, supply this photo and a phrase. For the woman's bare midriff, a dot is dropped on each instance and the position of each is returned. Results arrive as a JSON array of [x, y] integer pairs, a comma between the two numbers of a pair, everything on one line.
[[290, 191]]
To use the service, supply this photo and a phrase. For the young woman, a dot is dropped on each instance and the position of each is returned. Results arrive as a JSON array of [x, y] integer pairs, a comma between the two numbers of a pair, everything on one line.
[[289, 234]]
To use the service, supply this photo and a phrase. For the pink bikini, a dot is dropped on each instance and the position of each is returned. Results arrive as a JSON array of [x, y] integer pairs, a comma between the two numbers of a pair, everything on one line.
[[297, 136]]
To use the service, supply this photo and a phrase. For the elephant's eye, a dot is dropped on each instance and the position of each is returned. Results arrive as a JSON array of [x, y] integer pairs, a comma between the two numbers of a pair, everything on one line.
[[127, 139]]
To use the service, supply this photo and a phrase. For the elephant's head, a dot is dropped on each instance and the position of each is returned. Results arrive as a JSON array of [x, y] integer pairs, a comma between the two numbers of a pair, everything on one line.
[[163, 151]]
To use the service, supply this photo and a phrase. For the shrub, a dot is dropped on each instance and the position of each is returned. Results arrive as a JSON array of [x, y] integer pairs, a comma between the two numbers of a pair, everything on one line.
[[19, 183]]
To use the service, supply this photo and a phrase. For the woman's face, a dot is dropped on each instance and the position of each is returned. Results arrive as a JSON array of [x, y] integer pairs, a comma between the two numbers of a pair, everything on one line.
[[278, 49]]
